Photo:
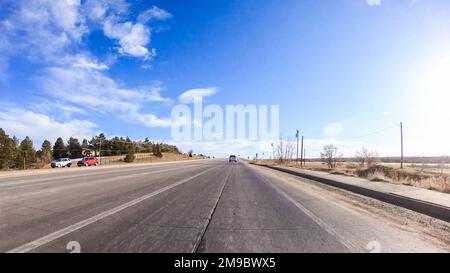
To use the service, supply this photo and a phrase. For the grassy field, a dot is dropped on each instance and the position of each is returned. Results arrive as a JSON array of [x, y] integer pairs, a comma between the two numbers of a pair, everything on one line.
[[416, 175]]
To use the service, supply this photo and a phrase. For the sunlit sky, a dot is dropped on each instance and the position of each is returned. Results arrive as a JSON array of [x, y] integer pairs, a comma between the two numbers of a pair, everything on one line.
[[343, 72]]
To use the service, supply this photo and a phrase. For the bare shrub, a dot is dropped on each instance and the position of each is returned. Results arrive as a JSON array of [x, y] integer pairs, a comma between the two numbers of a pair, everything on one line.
[[330, 155], [378, 175], [284, 150], [366, 157]]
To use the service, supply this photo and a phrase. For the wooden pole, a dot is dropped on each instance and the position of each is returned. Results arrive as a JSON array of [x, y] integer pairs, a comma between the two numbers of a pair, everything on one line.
[[301, 160], [401, 143]]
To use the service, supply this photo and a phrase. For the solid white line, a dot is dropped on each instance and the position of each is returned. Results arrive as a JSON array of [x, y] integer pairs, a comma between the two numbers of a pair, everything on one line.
[[330, 230], [62, 232]]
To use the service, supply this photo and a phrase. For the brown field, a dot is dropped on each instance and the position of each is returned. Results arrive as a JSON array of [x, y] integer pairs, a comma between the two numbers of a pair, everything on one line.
[[416, 175], [140, 158], [147, 157]]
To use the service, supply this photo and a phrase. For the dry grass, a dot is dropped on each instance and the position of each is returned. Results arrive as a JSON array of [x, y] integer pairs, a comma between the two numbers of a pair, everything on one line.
[[147, 157], [140, 158], [412, 175], [437, 183]]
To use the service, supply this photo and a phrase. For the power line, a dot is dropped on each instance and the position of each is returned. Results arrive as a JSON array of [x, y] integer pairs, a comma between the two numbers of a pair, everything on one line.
[[370, 134], [364, 135]]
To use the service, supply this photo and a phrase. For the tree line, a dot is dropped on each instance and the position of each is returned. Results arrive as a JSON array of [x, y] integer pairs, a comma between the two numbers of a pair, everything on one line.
[[15, 154]]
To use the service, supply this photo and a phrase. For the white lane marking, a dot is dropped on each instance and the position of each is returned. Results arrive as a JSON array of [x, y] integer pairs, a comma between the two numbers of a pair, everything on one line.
[[31, 182], [330, 230], [62, 232]]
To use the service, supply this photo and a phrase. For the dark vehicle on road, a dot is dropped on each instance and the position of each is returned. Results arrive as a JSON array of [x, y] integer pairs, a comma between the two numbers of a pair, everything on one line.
[[232, 158], [88, 161]]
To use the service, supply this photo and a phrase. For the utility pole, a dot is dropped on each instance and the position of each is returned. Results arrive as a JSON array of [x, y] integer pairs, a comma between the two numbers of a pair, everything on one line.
[[401, 143], [304, 157], [301, 165], [100, 152], [296, 161], [273, 150], [24, 154]]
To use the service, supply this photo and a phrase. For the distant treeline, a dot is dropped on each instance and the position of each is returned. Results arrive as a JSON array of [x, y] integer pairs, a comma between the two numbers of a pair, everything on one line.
[[16, 154], [418, 159], [394, 159]]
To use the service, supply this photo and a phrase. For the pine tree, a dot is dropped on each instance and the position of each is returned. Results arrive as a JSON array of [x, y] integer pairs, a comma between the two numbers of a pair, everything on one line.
[[130, 156], [46, 151], [44, 155], [8, 151], [85, 144], [59, 149], [130, 150], [26, 155], [74, 148], [157, 150]]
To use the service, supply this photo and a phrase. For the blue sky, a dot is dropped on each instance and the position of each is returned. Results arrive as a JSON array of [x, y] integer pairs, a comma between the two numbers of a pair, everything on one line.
[[340, 70]]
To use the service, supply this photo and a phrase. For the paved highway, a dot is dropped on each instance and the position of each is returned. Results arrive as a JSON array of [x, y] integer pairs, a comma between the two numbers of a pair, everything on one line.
[[193, 206]]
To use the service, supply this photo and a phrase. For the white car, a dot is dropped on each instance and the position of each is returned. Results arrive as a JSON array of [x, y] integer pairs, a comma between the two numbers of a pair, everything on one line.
[[232, 158], [62, 162]]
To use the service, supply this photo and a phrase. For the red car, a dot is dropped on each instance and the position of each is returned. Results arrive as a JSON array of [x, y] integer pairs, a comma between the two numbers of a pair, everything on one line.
[[88, 161]]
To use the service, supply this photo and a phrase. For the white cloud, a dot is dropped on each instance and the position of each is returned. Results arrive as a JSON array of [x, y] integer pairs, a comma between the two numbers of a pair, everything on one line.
[[38, 127], [44, 28], [332, 130], [49, 107], [49, 32], [189, 95], [96, 93], [373, 2], [154, 13], [133, 38], [150, 120], [81, 61]]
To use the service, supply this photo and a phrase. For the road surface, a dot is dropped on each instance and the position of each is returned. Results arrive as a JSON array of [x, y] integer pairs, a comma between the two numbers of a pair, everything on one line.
[[196, 206]]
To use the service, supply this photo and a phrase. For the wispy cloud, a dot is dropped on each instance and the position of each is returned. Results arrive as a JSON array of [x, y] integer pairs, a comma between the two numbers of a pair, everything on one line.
[[51, 34], [23, 123], [373, 2], [81, 61], [154, 13], [189, 95], [333, 129], [97, 93], [46, 29]]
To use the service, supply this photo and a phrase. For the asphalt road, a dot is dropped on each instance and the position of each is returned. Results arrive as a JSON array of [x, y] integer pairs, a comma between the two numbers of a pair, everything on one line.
[[197, 206]]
